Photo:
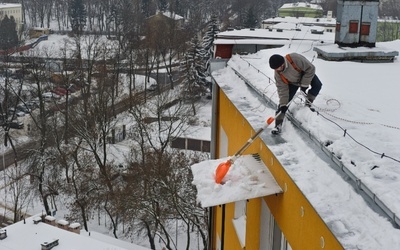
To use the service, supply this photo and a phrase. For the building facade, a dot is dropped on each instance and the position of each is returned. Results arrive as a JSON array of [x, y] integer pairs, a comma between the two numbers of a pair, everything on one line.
[[300, 9], [281, 221], [12, 10]]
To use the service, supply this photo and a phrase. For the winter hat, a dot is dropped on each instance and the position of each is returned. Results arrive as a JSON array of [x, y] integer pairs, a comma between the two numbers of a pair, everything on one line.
[[275, 61]]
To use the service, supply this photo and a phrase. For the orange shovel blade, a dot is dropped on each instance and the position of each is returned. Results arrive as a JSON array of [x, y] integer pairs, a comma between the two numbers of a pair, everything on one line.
[[221, 171]]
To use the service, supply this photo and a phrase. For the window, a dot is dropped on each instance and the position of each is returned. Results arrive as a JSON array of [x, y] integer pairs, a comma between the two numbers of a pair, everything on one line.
[[239, 222], [271, 236], [365, 29], [338, 26], [353, 27]]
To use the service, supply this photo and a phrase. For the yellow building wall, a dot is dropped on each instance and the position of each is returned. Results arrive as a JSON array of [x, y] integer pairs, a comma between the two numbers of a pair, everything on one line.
[[253, 222], [297, 219]]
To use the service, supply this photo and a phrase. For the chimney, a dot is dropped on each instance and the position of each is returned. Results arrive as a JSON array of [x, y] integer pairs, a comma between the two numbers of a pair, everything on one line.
[[75, 228], [50, 220], [3, 234], [63, 224]]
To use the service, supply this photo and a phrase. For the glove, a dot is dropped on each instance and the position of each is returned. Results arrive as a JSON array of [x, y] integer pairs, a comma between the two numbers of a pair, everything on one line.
[[304, 90], [282, 109]]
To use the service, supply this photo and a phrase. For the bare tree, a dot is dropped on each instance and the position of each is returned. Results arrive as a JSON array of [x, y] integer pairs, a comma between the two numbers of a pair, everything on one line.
[[40, 156], [161, 197], [83, 185], [18, 192], [92, 123]]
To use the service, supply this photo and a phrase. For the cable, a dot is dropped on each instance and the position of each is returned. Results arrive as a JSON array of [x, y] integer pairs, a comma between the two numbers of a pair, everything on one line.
[[356, 141]]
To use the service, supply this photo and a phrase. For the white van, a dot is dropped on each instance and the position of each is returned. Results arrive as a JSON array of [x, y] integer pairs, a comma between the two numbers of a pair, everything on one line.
[[49, 96]]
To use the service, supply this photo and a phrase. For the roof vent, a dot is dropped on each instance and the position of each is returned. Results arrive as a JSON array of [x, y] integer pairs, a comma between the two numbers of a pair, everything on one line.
[[49, 245], [36, 220], [3, 234]]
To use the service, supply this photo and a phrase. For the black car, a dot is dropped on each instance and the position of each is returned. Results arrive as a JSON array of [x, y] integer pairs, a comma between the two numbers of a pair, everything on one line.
[[23, 108], [14, 124], [152, 87]]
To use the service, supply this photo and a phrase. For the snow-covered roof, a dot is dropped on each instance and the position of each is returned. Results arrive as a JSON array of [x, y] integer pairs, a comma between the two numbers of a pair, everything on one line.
[[198, 132], [172, 15], [75, 225], [302, 20], [29, 235], [302, 5], [354, 120], [49, 218], [9, 5], [249, 34], [63, 222]]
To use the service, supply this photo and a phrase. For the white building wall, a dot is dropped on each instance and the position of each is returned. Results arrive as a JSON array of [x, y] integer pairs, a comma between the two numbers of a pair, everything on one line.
[[14, 10]]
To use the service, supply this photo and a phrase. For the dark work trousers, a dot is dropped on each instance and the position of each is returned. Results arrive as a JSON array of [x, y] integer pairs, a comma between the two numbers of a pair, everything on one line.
[[316, 86]]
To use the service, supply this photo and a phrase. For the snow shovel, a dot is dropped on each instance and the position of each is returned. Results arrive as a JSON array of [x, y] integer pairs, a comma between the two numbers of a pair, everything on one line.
[[223, 167]]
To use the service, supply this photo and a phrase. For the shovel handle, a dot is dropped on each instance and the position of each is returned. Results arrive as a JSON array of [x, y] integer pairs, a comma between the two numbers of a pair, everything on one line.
[[269, 121]]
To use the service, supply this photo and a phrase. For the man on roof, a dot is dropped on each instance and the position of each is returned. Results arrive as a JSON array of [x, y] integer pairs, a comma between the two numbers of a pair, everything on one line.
[[292, 72]]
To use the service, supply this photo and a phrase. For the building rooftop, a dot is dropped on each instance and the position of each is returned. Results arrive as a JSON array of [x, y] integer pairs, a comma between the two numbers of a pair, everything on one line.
[[302, 20], [302, 5], [29, 235], [10, 5], [303, 34], [344, 157]]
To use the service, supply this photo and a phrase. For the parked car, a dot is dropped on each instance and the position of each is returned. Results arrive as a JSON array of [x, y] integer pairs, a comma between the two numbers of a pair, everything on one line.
[[152, 87], [49, 96], [32, 105], [61, 90], [73, 88], [12, 111], [24, 108], [16, 124]]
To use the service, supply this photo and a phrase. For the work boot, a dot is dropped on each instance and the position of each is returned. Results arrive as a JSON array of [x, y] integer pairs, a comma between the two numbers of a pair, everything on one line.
[[278, 127], [277, 130]]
